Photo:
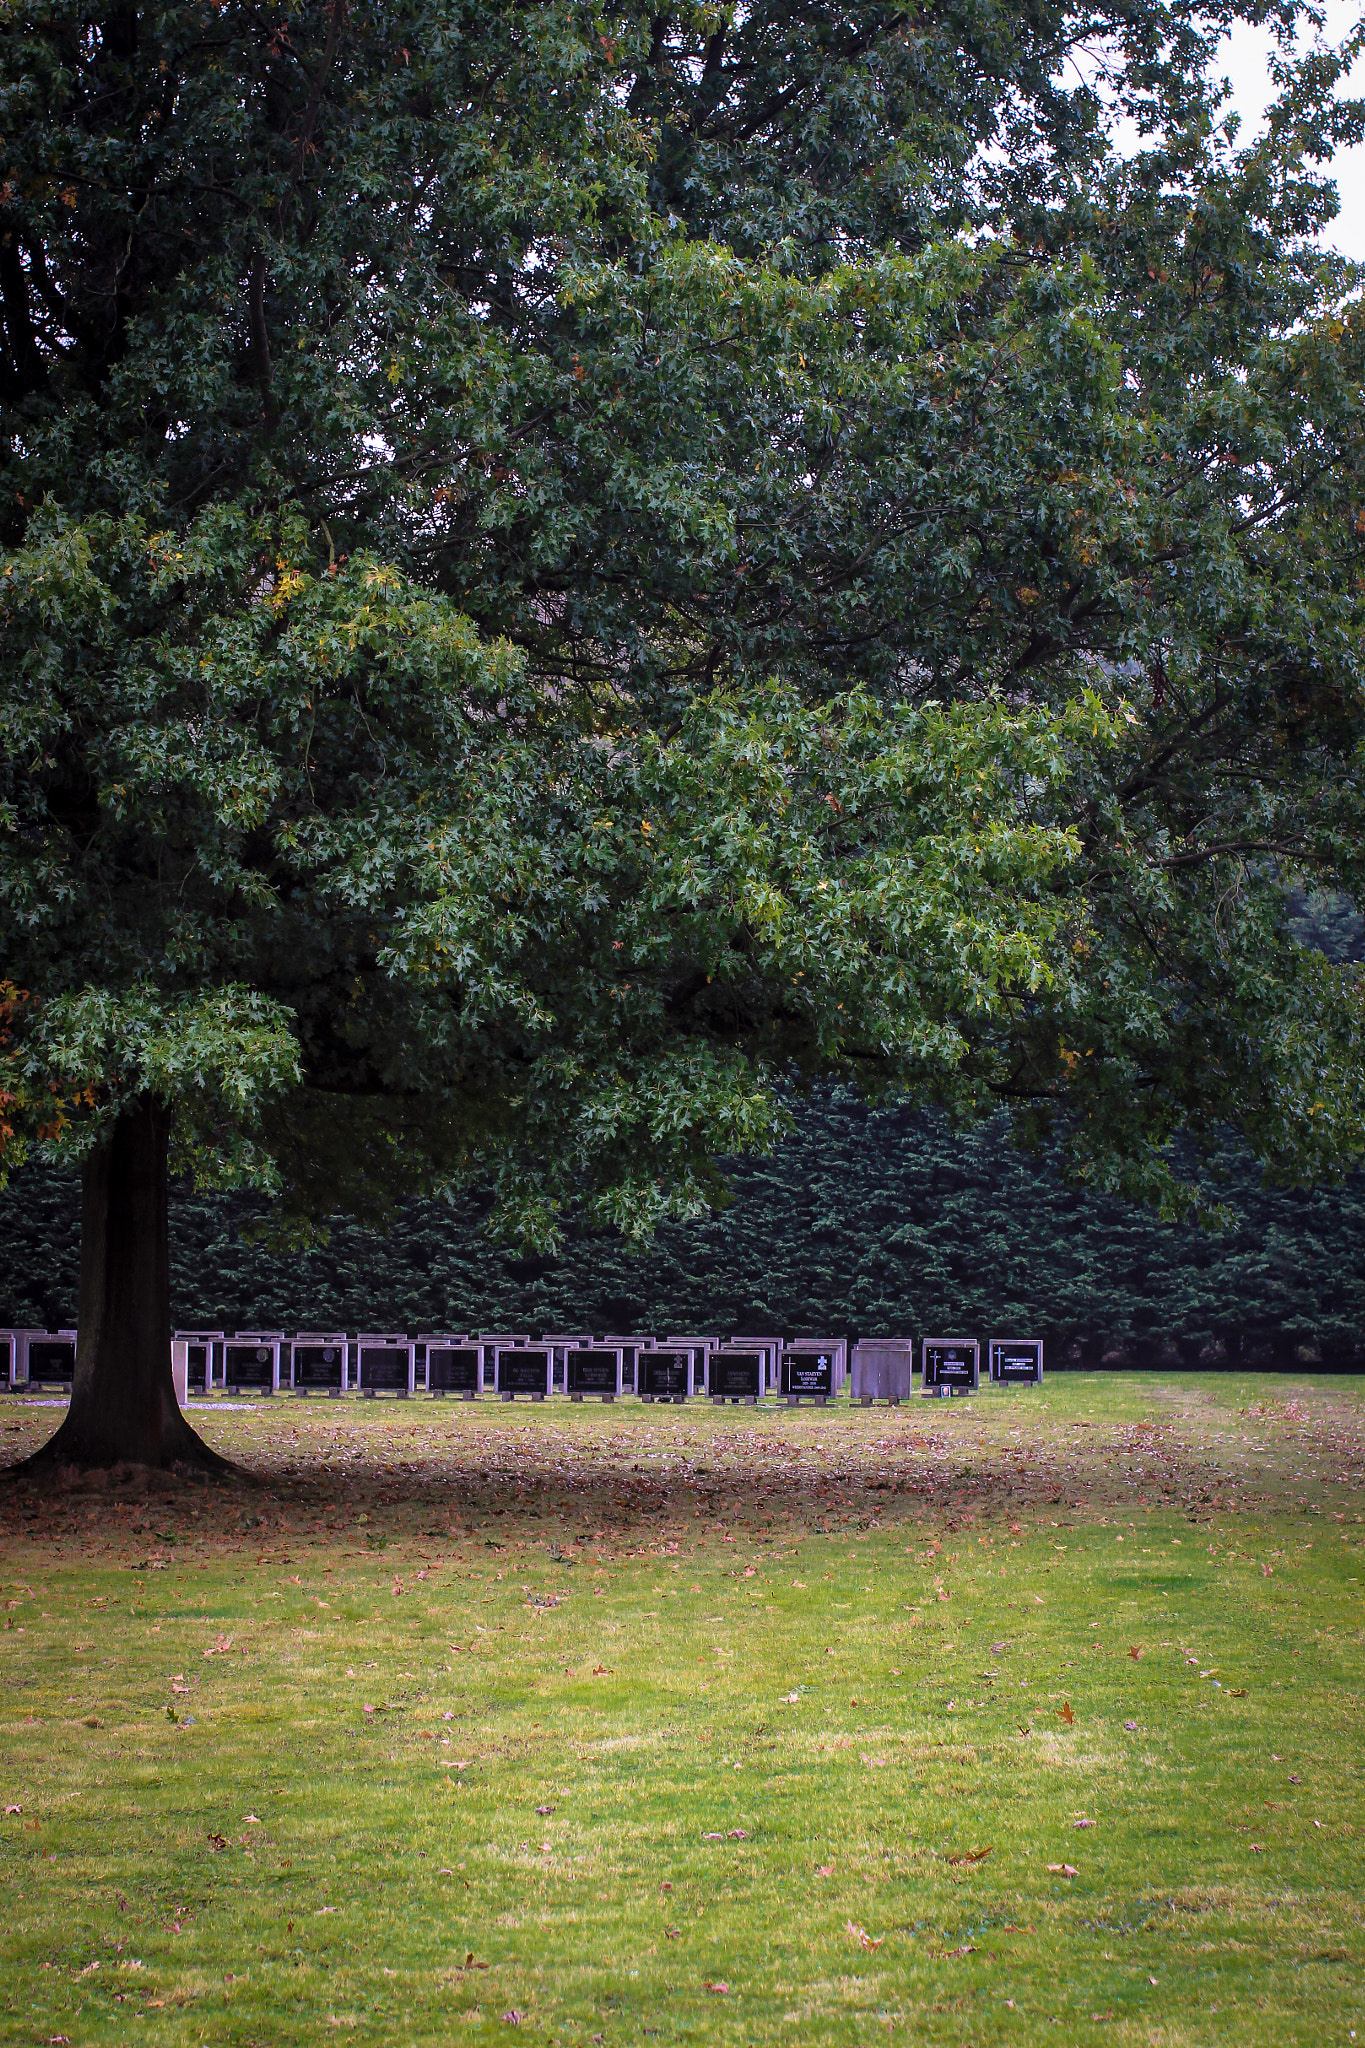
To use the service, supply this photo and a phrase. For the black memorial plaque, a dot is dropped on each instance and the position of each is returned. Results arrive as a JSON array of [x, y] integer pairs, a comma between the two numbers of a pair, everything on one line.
[[384, 1368], [320, 1366], [950, 1365], [453, 1369], [736, 1375], [808, 1375], [1016, 1361], [52, 1360], [664, 1375], [524, 1371], [592, 1369], [249, 1365]]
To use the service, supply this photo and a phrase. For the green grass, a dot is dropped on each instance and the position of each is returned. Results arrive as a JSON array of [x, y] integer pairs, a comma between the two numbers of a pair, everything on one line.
[[606, 1613]]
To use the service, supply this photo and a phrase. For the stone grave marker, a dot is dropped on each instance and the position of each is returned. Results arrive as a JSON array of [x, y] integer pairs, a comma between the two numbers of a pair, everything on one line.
[[453, 1367], [630, 1349], [809, 1373], [9, 1352], [386, 1363], [737, 1373], [701, 1349], [51, 1358], [882, 1369], [203, 1357], [561, 1342], [594, 1370], [804, 1347], [18, 1363], [771, 1347], [949, 1365], [489, 1340], [319, 1362], [664, 1373], [251, 1362], [1016, 1361], [525, 1369]]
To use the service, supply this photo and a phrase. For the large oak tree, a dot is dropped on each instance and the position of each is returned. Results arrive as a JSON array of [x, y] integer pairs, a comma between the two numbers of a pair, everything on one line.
[[565, 570]]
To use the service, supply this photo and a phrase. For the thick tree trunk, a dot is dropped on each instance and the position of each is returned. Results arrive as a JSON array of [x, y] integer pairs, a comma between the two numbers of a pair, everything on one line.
[[123, 1407]]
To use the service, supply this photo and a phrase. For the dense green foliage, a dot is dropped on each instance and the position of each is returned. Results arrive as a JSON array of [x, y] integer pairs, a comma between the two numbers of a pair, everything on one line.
[[866, 1220], [561, 569]]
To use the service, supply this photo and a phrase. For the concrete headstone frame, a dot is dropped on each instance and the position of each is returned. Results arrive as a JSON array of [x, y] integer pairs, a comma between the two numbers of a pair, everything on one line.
[[525, 1369], [882, 1369], [319, 1362], [594, 1370], [203, 1357], [771, 1347], [18, 1354], [810, 1370], [454, 1366], [560, 1342], [818, 1346], [51, 1357], [949, 1365], [252, 1361], [489, 1341], [737, 1372], [630, 1349], [1016, 1361], [664, 1373], [386, 1362], [701, 1349]]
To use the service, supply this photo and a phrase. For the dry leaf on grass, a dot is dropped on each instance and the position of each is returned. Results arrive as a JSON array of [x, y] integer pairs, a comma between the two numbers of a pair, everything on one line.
[[1064, 1713], [861, 1935], [1063, 1870], [971, 1855], [715, 1984]]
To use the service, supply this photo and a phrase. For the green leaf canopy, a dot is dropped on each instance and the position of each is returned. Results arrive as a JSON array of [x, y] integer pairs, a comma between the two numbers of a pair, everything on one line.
[[563, 571]]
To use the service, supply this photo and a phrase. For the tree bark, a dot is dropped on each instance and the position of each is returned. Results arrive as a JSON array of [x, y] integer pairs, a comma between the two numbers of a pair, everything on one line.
[[123, 1406]]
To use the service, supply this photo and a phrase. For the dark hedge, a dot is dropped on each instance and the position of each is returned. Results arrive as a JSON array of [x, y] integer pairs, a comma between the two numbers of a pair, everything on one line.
[[867, 1221]]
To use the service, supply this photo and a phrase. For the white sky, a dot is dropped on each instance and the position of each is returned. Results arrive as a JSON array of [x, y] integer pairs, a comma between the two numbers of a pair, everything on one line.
[[1245, 61]]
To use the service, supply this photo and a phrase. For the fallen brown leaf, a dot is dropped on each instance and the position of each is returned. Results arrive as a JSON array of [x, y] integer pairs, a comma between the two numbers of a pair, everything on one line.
[[861, 1935]]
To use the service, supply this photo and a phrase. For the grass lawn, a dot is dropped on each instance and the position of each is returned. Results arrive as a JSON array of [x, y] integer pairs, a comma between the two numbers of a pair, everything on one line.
[[1034, 1718]]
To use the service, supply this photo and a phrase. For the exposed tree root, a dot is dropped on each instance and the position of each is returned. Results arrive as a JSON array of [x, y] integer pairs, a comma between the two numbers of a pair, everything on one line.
[[71, 1463]]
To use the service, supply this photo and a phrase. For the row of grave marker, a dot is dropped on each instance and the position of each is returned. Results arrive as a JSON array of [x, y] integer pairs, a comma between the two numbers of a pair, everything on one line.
[[672, 1369]]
